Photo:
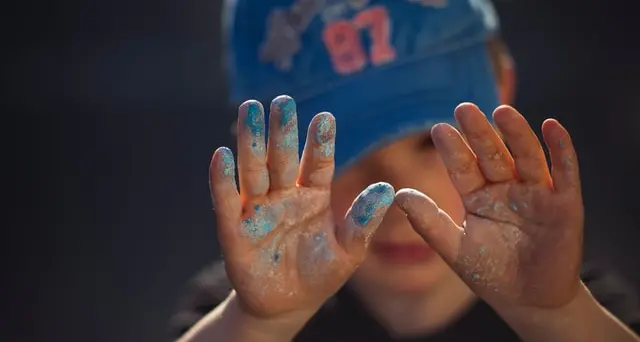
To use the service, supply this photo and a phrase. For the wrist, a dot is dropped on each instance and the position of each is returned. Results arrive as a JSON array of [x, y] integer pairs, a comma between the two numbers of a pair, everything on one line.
[[229, 322], [582, 319], [526, 315], [277, 329]]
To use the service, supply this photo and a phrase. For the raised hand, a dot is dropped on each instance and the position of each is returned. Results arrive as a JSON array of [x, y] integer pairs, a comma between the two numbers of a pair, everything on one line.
[[521, 243], [282, 250]]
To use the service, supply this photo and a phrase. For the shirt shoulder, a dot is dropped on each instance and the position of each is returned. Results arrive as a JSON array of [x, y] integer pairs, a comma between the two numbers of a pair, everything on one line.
[[203, 293], [211, 286], [614, 293]]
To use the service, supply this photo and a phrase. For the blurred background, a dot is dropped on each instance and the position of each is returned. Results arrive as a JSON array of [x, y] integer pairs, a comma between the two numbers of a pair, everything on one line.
[[112, 110]]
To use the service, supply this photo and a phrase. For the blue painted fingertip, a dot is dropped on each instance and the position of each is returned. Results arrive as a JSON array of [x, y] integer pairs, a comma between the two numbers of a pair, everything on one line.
[[254, 120], [325, 132], [370, 201], [227, 164], [286, 107]]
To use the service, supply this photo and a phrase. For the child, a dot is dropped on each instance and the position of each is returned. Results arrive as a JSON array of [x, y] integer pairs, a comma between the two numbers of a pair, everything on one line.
[[478, 242]]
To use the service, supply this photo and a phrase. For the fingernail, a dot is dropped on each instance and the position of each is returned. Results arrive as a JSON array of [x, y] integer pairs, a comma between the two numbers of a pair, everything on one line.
[[325, 132], [370, 201]]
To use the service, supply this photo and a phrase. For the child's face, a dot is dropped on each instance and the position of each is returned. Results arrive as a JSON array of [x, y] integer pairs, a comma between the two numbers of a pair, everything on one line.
[[399, 260]]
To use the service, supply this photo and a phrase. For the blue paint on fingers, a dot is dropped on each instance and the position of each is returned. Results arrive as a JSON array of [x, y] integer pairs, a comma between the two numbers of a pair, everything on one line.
[[286, 108], [370, 201], [227, 166], [254, 123], [325, 132], [255, 119]]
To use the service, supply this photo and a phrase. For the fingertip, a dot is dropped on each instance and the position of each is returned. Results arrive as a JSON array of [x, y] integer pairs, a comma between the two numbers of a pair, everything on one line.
[[365, 215], [251, 117], [317, 163], [441, 130], [250, 104], [371, 203], [282, 99], [223, 162], [503, 112], [285, 107], [410, 199], [222, 179], [466, 106], [553, 126], [323, 126], [322, 133], [464, 109]]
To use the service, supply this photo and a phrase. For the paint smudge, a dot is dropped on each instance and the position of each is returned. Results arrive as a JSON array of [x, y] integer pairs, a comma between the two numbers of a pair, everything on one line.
[[490, 210], [370, 201], [286, 107], [262, 222], [319, 255], [561, 143], [265, 266], [475, 277], [254, 123], [325, 132], [513, 206], [568, 163], [228, 164], [275, 250], [482, 250]]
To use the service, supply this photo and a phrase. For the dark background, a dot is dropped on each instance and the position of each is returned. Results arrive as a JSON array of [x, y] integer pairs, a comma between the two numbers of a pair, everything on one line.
[[113, 108]]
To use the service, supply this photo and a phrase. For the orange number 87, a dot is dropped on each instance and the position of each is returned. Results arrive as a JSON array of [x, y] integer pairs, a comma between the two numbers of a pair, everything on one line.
[[342, 39]]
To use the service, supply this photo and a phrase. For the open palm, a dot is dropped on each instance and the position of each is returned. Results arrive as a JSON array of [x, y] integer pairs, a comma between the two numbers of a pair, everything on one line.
[[282, 250], [521, 242]]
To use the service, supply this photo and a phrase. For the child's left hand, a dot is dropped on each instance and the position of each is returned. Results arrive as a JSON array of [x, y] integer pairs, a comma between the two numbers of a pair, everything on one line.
[[521, 243]]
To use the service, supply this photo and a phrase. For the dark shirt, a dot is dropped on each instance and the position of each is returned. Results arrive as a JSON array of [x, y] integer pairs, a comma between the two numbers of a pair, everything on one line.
[[343, 318]]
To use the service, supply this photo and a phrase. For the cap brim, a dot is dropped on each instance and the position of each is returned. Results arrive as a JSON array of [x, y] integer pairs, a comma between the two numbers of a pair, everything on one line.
[[398, 102]]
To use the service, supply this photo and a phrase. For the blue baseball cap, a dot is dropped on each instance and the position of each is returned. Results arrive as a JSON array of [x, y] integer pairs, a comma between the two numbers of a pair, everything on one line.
[[385, 69]]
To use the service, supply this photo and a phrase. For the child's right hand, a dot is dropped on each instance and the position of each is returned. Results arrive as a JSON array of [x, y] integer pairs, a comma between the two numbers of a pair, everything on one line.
[[283, 251]]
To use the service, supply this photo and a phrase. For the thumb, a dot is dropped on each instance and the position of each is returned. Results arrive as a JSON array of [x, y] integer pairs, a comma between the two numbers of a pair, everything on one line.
[[434, 225], [364, 217]]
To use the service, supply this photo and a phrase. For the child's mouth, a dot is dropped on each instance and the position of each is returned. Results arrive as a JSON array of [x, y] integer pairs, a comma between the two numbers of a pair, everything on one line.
[[408, 253]]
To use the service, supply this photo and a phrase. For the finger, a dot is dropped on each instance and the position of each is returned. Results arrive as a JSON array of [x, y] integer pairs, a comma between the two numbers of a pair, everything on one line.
[[527, 152], [252, 166], [282, 149], [434, 225], [494, 159], [564, 160], [458, 158], [317, 165], [364, 217], [225, 196]]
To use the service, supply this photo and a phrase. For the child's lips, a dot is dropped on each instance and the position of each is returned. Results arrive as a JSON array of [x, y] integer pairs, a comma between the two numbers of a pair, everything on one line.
[[402, 253]]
